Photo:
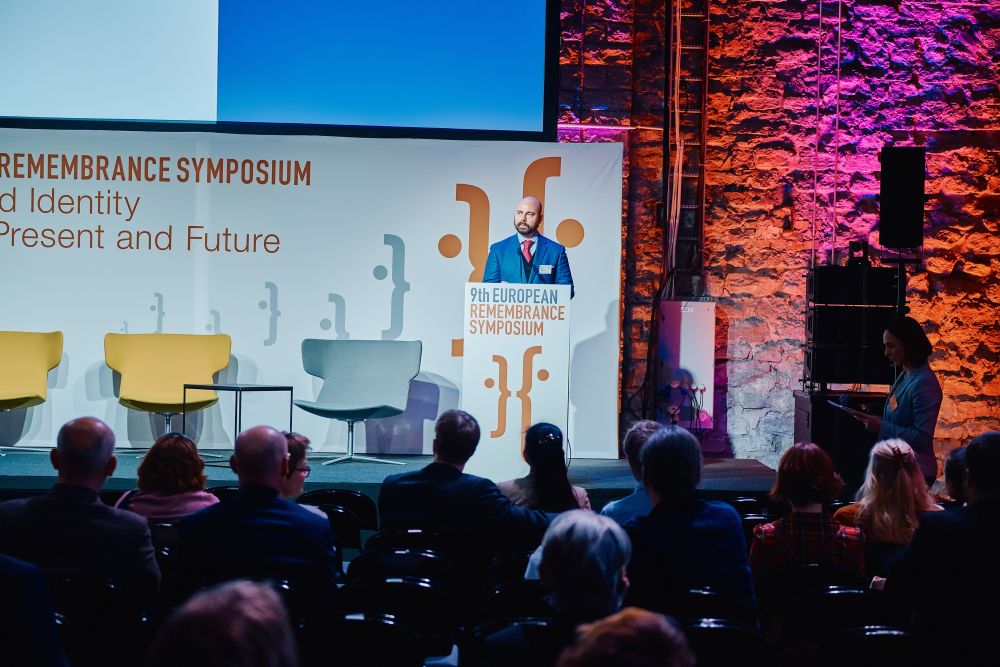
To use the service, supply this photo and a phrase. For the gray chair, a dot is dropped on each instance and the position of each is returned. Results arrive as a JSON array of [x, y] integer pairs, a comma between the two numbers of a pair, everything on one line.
[[362, 379]]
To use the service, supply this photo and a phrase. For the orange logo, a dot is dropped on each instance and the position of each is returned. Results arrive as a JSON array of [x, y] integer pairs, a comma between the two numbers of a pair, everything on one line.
[[569, 232], [524, 393]]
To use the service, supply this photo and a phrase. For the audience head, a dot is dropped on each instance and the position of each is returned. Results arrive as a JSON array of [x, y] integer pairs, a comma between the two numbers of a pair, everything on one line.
[[894, 493], [634, 439], [84, 452], [298, 470], [806, 476], [671, 465], [906, 344], [260, 458], [456, 435], [544, 453], [631, 638], [237, 624], [584, 556], [982, 467], [172, 465], [954, 475]]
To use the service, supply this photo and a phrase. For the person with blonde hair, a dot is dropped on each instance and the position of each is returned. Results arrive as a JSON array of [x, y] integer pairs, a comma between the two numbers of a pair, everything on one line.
[[889, 504]]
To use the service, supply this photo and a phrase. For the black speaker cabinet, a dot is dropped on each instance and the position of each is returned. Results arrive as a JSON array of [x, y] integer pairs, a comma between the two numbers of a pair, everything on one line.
[[840, 435], [901, 197], [847, 325], [852, 285], [847, 364]]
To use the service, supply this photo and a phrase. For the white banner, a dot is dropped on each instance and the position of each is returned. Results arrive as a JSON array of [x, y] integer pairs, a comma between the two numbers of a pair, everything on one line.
[[516, 368], [276, 239]]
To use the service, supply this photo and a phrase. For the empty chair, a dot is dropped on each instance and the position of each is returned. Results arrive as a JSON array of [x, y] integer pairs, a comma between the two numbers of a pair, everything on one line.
[[518, 599], [155, 367], [361, 505], [26, 357], [423, 605], [362, 379], [360, 640], [402, 563], [877, 646], [719, 643]]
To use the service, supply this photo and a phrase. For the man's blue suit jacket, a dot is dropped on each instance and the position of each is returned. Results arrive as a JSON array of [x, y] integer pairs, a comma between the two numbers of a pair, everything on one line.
[[504, 263]]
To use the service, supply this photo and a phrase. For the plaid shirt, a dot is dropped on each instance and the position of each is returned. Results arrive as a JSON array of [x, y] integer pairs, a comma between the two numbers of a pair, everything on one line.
[[807, 537]]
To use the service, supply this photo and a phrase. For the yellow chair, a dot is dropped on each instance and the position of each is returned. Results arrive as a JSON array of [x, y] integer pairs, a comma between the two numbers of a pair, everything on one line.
[[26, 357], [155, 367]]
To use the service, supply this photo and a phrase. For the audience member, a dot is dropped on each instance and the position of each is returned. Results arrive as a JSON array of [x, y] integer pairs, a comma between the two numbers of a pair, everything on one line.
[[948, 574], [69, 531], [237, 624], [584, 556], [890, 503], [637, 503], [684, 542], [807, 534], [298, 470], [630, 638], [256, 534], [27, 619], [442, 496], [954, 478], [171, 481], [547, 485]]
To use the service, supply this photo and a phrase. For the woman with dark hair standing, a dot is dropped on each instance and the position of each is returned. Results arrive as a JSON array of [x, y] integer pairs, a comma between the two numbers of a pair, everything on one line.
[[171, 481], [547, 485], [911, 410]]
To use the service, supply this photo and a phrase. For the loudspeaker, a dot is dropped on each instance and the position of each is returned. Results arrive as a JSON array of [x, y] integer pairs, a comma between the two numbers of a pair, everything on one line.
[[901, 197], [843, 437], [847, 364], [852, 285]]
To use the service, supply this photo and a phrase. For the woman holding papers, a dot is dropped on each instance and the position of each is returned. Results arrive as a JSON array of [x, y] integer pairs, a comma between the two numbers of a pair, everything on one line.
[[911, 410]]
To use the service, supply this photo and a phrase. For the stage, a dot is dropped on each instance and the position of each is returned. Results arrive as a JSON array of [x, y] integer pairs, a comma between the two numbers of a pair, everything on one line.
[[26, 473]]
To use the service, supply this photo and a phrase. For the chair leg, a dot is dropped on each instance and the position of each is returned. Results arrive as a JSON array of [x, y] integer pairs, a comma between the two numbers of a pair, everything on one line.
[[351, 456]]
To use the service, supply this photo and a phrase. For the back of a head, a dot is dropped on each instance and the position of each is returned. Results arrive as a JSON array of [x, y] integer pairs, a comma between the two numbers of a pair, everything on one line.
[[634, 439], [894, 493], [631, 638], [954, 474], [583, 555], [84, 445], [982, 463], [806, 475], [457, 435], [671, 463], [259, 456], [237, 624], [298, 445], [543, 450], [172, 465]]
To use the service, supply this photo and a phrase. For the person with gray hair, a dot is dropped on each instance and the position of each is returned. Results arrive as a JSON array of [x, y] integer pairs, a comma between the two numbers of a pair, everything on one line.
[[69, 531], [583, 565], [237, 624], [685, 542], [257, 534]]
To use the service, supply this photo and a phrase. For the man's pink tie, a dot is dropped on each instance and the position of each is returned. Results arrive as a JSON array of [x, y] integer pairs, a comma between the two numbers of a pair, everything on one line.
[[526, 249]]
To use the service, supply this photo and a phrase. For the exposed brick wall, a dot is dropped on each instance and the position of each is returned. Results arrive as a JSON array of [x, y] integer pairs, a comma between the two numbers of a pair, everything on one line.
[[910, 73]]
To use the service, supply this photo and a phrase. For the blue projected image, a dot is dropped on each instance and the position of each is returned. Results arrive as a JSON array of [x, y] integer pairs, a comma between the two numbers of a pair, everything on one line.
[[447, 64]]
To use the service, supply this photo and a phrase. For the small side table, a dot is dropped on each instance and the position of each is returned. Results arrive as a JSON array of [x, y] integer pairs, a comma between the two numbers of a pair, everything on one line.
[[239, 389]]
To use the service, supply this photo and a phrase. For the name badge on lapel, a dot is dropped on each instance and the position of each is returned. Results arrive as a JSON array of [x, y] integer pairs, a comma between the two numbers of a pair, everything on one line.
[[545, 269], [893, 403]]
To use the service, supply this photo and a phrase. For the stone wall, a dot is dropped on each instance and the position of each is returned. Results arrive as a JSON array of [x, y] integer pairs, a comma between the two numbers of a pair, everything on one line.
[[785, 178]]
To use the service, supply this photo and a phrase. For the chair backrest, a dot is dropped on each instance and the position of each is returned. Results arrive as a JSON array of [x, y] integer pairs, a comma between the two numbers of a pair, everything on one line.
[[518, 599], [443, 544], [345, 525], [373, 372], [719, 643], [505, 568], [779, 585], [223, 492], [26, 357], [880, 645], [155, 367], [705, 603], [358, 503], [817, 616], [360, 640], [403, 563]]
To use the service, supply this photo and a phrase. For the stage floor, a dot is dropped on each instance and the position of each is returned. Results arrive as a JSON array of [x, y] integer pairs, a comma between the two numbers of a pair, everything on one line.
[[29, 472]]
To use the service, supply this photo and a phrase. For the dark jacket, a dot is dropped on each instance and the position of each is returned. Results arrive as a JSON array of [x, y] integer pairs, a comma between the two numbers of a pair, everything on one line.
[[258, 535], [440, 496], [70, 531]]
